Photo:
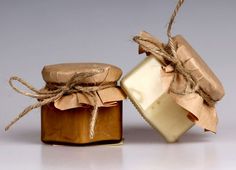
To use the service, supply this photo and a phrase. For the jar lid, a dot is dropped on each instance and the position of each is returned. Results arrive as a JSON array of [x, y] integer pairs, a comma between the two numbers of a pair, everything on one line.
[[207, 80], [62, 73]]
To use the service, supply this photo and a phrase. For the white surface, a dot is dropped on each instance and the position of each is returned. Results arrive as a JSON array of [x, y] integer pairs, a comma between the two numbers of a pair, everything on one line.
[[142, 149], [34, 33]]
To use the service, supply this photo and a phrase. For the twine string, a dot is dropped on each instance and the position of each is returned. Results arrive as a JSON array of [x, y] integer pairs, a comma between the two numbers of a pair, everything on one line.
[[169, 53], [74, 85]]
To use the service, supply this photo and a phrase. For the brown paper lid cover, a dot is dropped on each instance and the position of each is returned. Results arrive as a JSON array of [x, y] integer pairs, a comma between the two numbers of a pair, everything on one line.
[[62, 73], [204, 76]]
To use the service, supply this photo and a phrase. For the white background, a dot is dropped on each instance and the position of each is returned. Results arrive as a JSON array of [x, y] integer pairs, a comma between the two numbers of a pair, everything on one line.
[[34, 33]]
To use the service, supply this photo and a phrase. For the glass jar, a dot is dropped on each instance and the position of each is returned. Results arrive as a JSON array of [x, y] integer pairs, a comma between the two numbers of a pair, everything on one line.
[[68, 120]]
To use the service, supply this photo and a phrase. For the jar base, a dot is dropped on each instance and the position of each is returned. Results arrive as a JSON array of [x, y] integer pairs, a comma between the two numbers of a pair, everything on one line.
[[105, 142]]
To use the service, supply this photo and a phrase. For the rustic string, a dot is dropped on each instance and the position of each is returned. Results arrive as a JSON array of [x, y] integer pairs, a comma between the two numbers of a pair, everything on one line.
[[74, 85], [169, 53]]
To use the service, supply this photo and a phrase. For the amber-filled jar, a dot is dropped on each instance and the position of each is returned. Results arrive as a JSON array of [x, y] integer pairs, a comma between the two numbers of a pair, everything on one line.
[[68, 120]]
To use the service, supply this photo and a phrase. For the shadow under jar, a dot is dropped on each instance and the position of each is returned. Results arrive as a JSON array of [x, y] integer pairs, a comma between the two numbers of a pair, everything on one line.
[[68, 120]]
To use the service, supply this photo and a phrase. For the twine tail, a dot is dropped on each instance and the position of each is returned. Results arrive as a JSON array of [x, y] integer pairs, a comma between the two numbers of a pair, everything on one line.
[[172, 19], [93, 121], [95, 109], [32, 107], [169, 29], [23, 113], [178, 65]]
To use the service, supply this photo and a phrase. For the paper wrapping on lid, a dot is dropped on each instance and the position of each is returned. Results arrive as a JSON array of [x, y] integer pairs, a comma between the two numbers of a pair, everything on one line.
[[204, 115], [106, 98], [61, 73]]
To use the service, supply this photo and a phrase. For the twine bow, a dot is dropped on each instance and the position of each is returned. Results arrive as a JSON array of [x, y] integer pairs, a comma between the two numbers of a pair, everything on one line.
[[169, 53], [74, 85]]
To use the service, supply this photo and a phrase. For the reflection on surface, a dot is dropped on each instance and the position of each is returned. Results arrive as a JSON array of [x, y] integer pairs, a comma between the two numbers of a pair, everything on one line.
[[82, 157], [194, 151], [189, 156], [143, 149]]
